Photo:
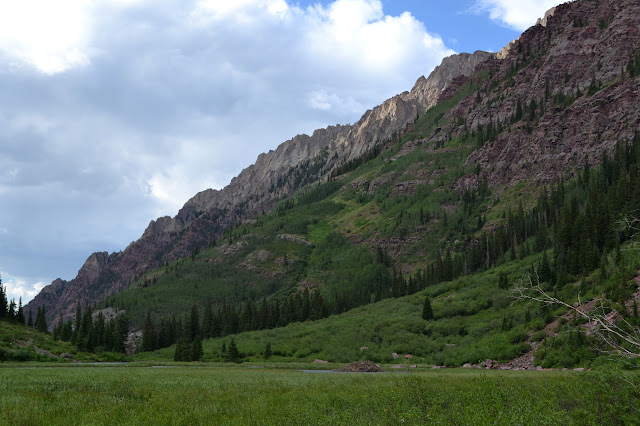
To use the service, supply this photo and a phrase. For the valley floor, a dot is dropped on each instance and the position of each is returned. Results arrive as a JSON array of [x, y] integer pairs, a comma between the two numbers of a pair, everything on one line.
[[144, 393]]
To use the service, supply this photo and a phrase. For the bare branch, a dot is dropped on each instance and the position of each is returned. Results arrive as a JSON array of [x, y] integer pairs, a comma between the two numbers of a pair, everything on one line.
[[621, 337]]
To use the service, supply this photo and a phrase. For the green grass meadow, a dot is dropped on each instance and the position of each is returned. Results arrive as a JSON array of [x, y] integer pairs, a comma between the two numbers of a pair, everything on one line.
[[223, 394]]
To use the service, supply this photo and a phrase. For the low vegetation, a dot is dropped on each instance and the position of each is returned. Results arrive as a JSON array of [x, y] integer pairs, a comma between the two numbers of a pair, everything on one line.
[[236, 395]]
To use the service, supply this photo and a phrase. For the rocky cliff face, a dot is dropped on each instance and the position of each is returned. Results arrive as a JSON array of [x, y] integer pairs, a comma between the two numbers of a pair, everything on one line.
[[570, 81], [276, 174]]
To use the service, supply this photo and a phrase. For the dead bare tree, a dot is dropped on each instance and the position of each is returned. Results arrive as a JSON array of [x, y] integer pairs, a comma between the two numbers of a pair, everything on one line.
[[606, 324]]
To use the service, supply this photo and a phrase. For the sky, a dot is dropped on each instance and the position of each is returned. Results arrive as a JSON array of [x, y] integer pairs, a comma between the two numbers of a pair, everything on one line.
[[116, 112]]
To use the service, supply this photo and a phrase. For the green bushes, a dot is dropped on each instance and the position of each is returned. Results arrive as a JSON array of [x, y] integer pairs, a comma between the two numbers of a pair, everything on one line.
[[18, 355]]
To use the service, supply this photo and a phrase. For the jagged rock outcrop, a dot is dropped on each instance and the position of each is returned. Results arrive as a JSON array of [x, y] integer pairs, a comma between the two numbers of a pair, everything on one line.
[[276, 174], [541, 21]]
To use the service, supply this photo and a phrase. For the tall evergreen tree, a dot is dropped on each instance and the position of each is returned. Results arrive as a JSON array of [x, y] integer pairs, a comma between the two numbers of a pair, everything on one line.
[[194, 324], [11, 312], [183, 350], [267, 351], [20, 314], [196, 349], [41, 320], [544, 271], [77, 324], [165, 334], [427, 312], [3, 301], [121, 334], [233, 354], [207, 322], [57, 329], [67, 331], [99, 328], [149, 336]]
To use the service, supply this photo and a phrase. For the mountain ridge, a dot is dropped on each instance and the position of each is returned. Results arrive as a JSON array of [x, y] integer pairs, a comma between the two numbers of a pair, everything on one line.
[[256, 189], [554, 101]]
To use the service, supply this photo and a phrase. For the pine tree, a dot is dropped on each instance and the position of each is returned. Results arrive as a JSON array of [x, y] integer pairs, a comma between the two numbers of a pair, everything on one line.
[[41, 320], [427, 312], [77, 324], [84, 340], [267, 351], [306, 305], [149, 336], [544, 272], [3, 300], [183, 350], [233, 354], [120, 335], [263, 315], [20, 315], [11, 312], [100, 330], [503, 281], [67, 331], [194, 324], [196, 349], [207, 322], [519, 112], [165, 335], [57, 329]]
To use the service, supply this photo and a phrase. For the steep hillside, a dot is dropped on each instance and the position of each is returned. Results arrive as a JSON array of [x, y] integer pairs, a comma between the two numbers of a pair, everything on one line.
[[275, 175]]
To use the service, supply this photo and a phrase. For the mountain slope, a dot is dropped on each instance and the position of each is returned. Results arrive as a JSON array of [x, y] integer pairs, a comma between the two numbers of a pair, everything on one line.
[[444, 195], [275, 175]]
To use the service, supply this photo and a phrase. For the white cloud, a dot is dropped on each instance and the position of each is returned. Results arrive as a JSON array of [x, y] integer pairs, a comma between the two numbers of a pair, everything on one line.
[[136, 105], [518, 15], [357, 33], [18, 288], [324, 101], [240, 10], [52, 36]]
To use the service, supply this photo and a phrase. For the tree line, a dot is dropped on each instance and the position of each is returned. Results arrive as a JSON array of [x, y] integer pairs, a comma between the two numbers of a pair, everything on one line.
[[93, 332], [579, 220]]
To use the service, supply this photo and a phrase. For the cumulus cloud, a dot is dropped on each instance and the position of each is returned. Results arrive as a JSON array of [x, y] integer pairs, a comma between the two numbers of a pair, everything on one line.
[[52, 36], [18, 288], [324, 101], [518, 15], [115, 112]]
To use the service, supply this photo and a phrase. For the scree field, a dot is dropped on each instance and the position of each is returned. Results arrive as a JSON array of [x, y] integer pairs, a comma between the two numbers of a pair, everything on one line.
[[223, 394]]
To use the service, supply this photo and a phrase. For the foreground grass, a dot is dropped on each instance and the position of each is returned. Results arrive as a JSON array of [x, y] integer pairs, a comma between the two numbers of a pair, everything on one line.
[[214, 394]]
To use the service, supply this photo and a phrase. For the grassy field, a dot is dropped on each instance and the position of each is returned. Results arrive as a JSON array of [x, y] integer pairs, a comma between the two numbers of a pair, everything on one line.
[[223, 394]]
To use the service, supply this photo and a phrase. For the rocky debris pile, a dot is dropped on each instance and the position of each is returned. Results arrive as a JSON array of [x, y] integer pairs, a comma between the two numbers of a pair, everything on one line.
[[361, 367]]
